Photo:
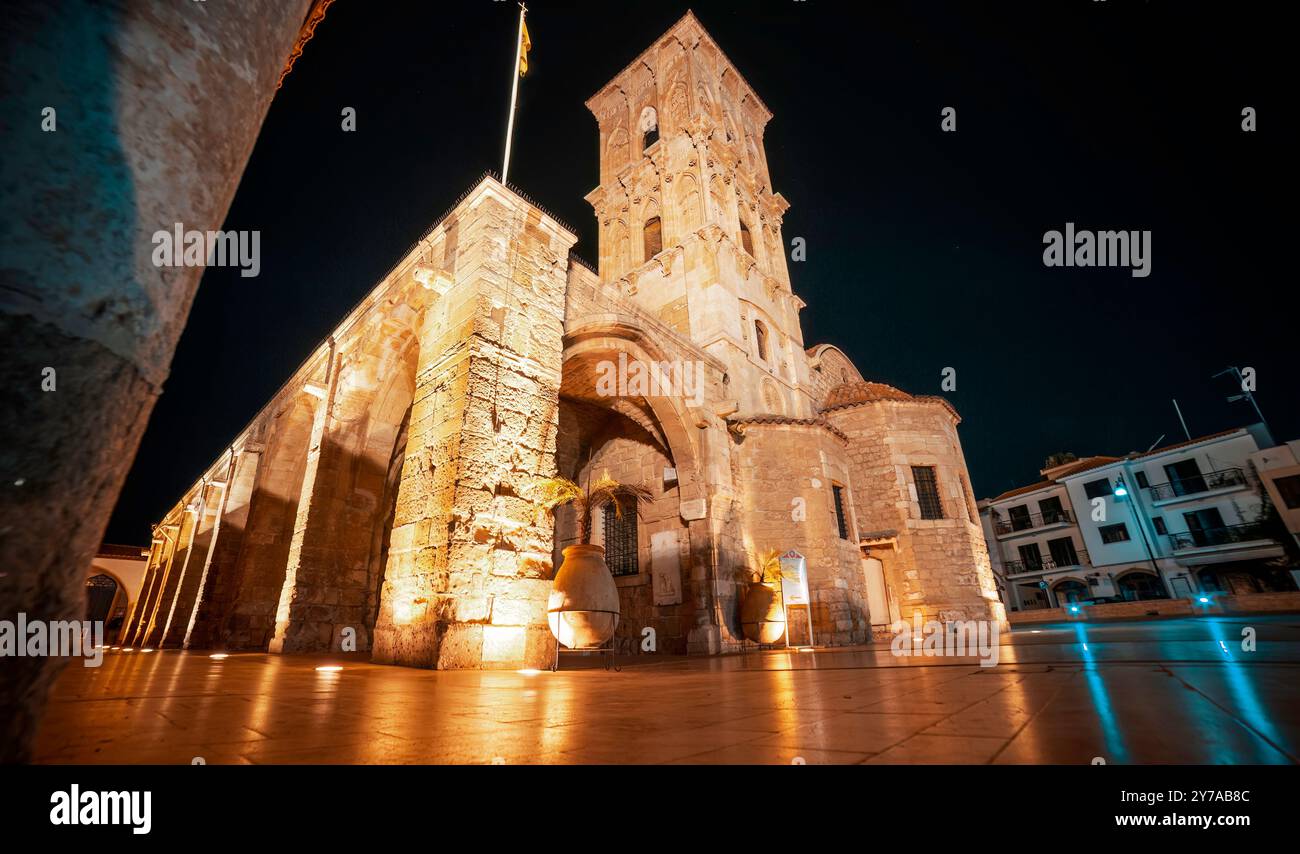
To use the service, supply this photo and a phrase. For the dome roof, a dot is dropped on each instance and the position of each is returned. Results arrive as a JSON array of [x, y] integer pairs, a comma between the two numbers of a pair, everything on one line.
[[849, 394]]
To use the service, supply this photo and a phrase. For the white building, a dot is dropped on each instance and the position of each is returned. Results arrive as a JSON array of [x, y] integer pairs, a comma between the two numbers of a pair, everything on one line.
[[1175, 522], [1279, 470]]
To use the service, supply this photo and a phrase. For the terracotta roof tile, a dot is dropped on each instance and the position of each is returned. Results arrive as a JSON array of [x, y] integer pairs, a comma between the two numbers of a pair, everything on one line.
[[849, 394]]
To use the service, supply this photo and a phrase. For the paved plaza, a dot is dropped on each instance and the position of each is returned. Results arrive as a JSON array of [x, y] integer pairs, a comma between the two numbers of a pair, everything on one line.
[[1168, 691]]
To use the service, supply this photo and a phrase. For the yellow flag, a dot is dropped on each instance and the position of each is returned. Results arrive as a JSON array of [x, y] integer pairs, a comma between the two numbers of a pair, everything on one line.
[[525, 45]]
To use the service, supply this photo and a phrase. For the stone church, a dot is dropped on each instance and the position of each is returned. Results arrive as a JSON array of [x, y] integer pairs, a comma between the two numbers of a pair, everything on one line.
[[385, 496]]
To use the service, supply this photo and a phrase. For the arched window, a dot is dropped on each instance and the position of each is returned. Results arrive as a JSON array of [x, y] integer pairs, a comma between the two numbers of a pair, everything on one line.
[[101, 590], [648, 124], [1141, 585], [1071, 590], [654, 238], [745, 240], [760, 338]]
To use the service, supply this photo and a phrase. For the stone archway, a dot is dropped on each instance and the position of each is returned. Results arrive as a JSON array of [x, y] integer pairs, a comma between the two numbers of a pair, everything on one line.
[[1138, 583], [1070, 590], [645, 439], [329, 600]]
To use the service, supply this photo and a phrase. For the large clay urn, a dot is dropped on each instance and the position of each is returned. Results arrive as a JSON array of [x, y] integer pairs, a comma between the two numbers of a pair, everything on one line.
[[762, 616], [583, 608]]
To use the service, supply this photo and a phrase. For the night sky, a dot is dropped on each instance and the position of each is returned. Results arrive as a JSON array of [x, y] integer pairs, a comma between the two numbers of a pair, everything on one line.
[[924, 249]]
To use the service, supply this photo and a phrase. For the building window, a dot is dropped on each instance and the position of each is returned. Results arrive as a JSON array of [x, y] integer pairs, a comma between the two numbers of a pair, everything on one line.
[[1031, 557], [1206, 527], [1063, 553], [972, 512], [1114, 533], [927, 492], [620, 539], [840, 518], [745, 240], [1052, 510], [1141, 477], [760, 339], [1019, 516], [1289, 489], [654, 238], [650, 138], [1159, 522], [1097, 488]]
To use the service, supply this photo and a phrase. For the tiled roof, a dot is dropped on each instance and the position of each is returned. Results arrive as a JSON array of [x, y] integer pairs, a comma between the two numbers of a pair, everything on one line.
[[1199, 439], [789, 419], [849, 394], [118, 551], [1097, 462], [1074, 468], [1021, 490]]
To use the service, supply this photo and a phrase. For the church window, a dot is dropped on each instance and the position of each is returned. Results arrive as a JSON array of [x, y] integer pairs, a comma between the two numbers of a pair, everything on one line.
[[840, 518], [650, 138], [745, 240], [760, 339], [654, 239], [927, 492], [620, 539]]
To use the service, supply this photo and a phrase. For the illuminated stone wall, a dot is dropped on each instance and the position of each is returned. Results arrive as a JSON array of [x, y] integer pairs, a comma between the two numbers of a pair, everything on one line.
[[469, 566], [159, 106], [383, 499], [941, 566]]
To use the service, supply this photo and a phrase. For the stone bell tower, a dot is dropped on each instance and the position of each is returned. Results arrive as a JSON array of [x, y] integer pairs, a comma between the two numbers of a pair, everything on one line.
[[690, 228]]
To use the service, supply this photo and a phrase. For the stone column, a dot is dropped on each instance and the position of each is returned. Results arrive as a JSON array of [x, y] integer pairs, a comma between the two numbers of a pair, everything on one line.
[[202, 623], [469, 563], [137, 607], [156, 618], [182, 603], [149, 595], [299, 593], [252, 599], [156, 109]]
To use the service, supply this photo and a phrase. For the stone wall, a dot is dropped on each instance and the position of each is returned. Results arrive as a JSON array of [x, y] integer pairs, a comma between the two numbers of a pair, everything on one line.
[[787, 473], [158, 107], [941, 566], [469, 565], [626, 452]]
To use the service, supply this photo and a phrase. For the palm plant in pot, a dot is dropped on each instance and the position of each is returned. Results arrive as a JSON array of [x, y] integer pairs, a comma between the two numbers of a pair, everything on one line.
[[762, 609], [583, 607]]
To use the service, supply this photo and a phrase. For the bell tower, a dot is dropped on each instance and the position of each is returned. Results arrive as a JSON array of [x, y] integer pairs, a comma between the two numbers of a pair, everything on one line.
[[690, 228]]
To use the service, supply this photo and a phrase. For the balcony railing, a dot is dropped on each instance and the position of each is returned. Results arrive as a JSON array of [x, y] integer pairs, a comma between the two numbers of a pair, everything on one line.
[[1227, 535], [1197, 484], [1017, 567], [1028, 522]]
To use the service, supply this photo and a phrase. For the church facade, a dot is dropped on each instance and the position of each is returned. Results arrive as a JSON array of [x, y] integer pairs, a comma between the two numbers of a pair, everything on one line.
[[385, 498]]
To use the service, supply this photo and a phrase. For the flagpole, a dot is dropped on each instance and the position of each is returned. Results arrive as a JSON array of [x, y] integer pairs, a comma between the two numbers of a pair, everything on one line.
[[514, 95]]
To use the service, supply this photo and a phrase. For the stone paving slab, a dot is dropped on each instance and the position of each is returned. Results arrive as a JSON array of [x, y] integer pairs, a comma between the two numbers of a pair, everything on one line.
[[1168, 691]]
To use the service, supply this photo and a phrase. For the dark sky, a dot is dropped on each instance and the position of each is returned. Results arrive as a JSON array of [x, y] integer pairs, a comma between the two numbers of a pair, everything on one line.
[[924, 249]]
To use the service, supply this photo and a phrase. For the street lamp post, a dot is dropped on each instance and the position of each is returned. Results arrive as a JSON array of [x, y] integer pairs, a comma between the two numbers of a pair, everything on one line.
[[1121, 491]]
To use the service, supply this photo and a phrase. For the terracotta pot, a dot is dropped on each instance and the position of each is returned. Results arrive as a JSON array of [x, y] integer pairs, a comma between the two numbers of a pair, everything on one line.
[[761, 615], [583, 607]]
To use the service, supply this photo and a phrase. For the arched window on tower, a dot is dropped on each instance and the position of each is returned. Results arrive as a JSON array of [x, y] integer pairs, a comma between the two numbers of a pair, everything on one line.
[[760, 339], [654, 238], [745, 240], [649, 127]]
